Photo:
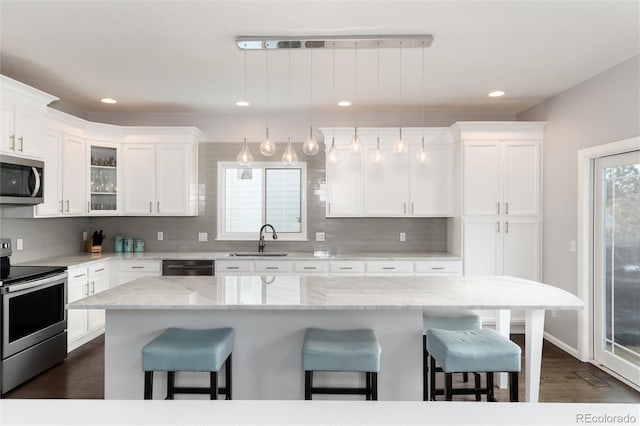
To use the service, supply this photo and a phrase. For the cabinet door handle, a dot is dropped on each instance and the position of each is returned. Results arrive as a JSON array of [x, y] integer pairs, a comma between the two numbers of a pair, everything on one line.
[[497, 208], [498, 227], [93, 287], [388, 267], [13, 142], [150, 206], [21, 144], [329, 207], [68, 206], [61, 206], [506, 208], [88, 206], [412, 207], [506, 227], [404, 208], [86, 286], [158, 206]]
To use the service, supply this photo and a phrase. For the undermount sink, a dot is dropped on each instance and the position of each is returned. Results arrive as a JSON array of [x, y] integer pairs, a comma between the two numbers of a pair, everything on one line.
[[261, 254]]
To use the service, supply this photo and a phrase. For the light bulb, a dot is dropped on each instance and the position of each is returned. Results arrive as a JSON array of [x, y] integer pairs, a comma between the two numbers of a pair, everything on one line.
[[378, 155], [400, 146], [267, 147], [423, 155], [310, 146], [244, 158], [289, 156], [355, 147], [333, 156]]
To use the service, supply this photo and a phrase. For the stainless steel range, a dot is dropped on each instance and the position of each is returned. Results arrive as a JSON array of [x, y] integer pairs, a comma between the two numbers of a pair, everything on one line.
[[33, 319]]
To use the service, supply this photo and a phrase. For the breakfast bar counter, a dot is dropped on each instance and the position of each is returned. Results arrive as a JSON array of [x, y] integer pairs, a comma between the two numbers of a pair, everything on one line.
[[271, 313]]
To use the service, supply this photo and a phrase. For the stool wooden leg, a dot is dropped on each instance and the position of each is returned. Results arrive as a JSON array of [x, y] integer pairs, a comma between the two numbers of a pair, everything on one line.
[[425, 369], [367, 387], [170, 384], [448, 386], [308, 383], [465, 377], [490, 396], [432, 374], [213, 389], [227, 373], [513, 386], [148, 385], [374, 386], [477, 385]]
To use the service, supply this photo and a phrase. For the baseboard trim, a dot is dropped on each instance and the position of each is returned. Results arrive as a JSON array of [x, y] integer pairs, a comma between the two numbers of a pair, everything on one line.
[[84, 339], [562, 345]]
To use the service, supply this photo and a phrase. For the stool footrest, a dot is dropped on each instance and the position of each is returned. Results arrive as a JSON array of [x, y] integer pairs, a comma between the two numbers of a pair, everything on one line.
[[198, 390], [339, 391]]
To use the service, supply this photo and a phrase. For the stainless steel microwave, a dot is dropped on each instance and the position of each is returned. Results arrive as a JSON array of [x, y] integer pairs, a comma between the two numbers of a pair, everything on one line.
[[21, 180]]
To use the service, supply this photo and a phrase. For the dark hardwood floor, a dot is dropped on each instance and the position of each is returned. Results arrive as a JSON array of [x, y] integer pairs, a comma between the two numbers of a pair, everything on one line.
[[564, 379]]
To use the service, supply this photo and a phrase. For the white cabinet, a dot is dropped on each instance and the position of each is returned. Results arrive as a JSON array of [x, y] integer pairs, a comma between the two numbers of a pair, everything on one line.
[[160, 179], [272, 266], [431, 183], [233, 266], [73, 178], [386, 185], [103, 177], [344, 186], [438, 267], [389, 267], [131, 269], [346, 267], [502, 177]]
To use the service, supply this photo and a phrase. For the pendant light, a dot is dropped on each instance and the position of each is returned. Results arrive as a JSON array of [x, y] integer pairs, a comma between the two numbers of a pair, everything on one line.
[[267, 147], [423, 155], [310, 146], [378, 155], [289, 156], [400, 145], [333, 156], [355, 147], [244, 158]]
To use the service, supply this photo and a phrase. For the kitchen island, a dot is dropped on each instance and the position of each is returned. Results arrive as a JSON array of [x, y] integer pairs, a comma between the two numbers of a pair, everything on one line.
[[270, 314]]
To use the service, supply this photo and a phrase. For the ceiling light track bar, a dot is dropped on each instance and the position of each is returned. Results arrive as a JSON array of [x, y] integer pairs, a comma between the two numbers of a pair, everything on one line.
[[334, 42]]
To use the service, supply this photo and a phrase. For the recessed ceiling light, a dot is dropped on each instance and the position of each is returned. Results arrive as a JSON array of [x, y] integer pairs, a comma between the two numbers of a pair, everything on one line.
[[496, 94], [344, 103], [243, 103], [108, 101]]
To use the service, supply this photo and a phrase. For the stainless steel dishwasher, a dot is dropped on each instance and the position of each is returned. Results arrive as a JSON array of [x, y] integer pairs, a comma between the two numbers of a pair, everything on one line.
[[188, 267]]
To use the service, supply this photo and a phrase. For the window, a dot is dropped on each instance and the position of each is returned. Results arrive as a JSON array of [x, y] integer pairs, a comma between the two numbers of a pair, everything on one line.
[[263, 193]]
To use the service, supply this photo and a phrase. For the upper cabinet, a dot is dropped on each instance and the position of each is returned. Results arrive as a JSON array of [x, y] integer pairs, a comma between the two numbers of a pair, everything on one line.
[[22, 117], [160, 172], [103, 197], [399, 186]]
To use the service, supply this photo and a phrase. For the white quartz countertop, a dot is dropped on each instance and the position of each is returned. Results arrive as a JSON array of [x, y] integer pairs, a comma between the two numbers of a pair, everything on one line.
[[80, 258], [327, 293]]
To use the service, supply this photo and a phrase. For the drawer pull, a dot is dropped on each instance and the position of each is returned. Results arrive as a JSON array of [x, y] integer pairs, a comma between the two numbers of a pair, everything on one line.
[[437, 268], [346, 267], [80, 276], [309, 267], [99, 270], [137, 267], [388, 267], [232, 267], [272, 267]]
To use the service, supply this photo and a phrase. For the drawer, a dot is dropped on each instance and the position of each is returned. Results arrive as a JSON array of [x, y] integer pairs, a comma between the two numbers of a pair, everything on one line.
[[311, 267], [347, 267], [98, 269], [231, 266], [272, 266], [77, 273], [390, 267], [439, 267], [139, 266]]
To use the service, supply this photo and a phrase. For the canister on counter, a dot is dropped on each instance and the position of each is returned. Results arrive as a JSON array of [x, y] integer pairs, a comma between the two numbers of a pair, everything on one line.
[[138, 246], [127, 246], [117, 244]]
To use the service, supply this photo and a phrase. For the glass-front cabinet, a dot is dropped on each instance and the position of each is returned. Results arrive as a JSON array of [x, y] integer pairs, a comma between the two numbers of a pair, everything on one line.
[[103, 179]]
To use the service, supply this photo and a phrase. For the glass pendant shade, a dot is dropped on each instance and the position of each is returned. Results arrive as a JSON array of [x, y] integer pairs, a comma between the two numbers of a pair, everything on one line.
[[244, 158], [423, 155], [289, 156], [310, 146], [267, 147], [355, 147], [378, 155], [333, 156], [400, 146]]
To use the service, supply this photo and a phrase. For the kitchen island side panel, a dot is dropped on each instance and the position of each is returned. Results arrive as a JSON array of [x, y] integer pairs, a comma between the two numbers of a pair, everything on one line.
[[267, 360]]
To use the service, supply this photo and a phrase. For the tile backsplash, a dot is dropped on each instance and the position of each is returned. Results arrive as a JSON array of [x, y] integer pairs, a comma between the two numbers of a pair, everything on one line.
[[58, 236]]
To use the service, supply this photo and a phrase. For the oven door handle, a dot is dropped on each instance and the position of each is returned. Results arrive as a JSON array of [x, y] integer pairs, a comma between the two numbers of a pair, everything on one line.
[[35, 283]]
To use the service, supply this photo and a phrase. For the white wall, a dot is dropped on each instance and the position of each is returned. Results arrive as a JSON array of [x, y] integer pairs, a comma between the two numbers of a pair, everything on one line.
[[603, 109]]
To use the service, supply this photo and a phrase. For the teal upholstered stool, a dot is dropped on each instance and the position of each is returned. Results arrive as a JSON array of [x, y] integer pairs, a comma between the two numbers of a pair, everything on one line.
[[341, 350], [481, 350], [178, 349], [449, 319]]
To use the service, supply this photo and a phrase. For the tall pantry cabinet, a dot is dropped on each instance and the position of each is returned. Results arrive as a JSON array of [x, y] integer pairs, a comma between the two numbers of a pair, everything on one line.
[[501, 197]]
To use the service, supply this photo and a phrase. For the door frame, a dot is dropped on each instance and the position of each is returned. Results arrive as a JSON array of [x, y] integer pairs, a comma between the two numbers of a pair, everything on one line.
[[586, 171]]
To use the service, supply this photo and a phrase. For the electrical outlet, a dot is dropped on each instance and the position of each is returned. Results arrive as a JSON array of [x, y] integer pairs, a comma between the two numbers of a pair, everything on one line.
[[160, 235], [203, 236], [19, 244], [84, 236], [319, 236], [403, 236], [553, 313]]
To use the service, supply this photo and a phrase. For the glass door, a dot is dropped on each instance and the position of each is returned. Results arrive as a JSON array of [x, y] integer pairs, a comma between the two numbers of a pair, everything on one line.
[[104, 179], [617, 264]]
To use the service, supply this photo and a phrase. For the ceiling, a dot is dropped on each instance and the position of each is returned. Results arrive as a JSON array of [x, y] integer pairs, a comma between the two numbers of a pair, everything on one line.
[[180, 56]]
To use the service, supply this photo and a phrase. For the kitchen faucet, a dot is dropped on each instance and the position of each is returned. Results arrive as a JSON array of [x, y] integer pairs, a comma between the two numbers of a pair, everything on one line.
[[261, 240]]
